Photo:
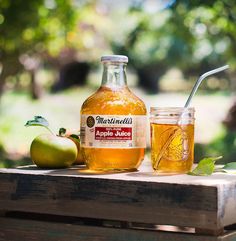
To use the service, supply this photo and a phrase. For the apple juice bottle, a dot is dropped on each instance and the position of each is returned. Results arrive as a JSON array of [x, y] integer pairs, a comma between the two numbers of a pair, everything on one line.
[[113, 121]]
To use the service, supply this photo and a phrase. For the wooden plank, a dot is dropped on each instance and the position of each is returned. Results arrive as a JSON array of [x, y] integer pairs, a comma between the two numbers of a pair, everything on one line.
[[18, 229], [132, 201], [134, 197], [227, 203], [205, 231]]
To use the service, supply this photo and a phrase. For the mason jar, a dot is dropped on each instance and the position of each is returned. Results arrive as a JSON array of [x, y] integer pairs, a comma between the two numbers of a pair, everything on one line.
[[172, 139]]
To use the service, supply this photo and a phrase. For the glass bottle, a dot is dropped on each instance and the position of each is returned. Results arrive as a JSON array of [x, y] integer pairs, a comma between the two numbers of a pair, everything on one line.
[[113, 121], [172, 139]]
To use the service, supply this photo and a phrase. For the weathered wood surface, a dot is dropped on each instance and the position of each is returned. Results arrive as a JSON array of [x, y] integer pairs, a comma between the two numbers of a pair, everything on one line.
[[182, 200], [17, 229]]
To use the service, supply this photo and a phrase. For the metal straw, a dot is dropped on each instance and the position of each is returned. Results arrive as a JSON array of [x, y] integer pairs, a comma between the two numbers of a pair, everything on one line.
[[199, 81], [195, 87]]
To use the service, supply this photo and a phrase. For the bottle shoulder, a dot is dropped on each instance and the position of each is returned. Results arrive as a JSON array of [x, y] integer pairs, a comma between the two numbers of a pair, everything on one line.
[[113, 101]]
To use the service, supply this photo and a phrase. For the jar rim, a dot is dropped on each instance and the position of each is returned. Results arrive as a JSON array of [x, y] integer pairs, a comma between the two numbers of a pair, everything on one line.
[[171, 109]]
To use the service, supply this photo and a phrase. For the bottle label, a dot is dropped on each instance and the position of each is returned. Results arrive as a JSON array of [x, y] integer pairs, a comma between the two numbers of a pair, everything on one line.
[[113, 131]]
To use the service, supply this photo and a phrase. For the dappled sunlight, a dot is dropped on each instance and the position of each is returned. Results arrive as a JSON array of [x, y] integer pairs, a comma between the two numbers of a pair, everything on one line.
[[213, 180], [49, 62]]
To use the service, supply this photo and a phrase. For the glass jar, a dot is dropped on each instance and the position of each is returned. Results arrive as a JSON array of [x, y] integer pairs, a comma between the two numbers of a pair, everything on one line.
[[172, 139], [113, 121]]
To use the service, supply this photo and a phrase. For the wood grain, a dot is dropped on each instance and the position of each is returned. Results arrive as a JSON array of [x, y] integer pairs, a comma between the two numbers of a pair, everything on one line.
[[30, 230], [200, 202]]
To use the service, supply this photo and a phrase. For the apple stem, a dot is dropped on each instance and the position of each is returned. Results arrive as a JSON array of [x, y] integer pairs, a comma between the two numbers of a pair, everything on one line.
[[62, 131]]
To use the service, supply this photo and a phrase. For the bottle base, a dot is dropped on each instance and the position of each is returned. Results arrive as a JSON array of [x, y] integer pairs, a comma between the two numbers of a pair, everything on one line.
[[113, 160], [113, 170]]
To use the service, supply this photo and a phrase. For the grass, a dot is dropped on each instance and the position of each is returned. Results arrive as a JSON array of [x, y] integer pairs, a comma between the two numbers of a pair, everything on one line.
[[61, 110]]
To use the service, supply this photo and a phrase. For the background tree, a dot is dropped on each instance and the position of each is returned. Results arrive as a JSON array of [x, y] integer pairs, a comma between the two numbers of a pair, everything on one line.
[[193, 37], [54, 32], [29, 28]]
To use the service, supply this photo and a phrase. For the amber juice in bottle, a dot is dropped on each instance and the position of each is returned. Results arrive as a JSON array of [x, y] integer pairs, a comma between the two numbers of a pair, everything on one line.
[[113, 122], [172, 139]]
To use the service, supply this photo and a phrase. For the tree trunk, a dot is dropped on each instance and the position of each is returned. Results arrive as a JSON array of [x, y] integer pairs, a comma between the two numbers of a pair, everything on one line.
[[3, 76], [10, 66], [230, 120], [149, 76], [35, 87], [2, 83], [72, 74]]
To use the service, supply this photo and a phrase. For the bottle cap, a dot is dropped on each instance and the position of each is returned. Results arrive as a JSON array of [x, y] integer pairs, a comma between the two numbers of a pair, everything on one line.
[[114, 58]]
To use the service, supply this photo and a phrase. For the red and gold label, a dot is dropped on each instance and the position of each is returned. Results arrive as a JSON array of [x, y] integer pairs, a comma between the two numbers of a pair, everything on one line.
[[113, 131]]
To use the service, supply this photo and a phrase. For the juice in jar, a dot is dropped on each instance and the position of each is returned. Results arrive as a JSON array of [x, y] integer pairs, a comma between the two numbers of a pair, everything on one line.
[[113, 122], [172, 140]]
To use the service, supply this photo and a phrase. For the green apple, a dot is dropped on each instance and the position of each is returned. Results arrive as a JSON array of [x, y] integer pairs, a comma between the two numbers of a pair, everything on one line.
[[51, 151]]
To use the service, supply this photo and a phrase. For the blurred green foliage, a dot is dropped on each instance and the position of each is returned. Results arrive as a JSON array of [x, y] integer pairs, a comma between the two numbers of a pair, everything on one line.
[[8, 160], [35, 26], [223, 145], [193, 36], [47, 33]]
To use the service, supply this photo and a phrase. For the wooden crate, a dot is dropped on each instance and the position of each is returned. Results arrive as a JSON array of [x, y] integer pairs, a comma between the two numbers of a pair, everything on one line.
[[74, 204]]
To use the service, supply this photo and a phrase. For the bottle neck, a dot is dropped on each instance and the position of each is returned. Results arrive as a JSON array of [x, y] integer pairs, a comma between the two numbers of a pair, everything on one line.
[[114, 75]]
